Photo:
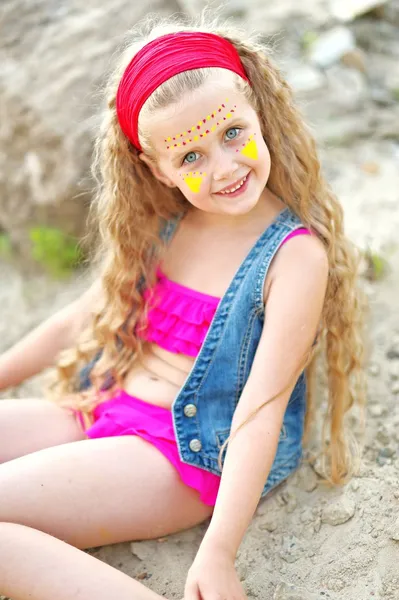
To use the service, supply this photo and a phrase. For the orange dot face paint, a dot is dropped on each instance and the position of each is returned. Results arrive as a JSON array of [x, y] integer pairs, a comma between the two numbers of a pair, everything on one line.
[[194, 180], [202, 129]]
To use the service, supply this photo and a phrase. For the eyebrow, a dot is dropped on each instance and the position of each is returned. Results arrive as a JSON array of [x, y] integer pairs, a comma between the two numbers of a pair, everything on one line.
[[188, 148]]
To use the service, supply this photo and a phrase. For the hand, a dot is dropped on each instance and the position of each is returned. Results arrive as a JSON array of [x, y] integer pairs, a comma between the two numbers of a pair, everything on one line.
[[212, 576]]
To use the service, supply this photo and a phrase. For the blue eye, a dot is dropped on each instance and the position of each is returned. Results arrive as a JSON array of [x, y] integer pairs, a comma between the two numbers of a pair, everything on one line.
[[232, 133], [190, 158]]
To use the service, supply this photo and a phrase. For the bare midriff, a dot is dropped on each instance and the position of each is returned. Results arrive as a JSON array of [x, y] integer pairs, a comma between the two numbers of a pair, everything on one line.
[[159, 377]]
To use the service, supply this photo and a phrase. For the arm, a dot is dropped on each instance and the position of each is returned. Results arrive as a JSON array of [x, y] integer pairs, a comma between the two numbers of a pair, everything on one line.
[[294, 304], [39, 348]]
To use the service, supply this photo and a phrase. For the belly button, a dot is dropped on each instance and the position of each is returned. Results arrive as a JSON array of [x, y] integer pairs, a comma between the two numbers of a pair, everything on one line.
[[154, 378]]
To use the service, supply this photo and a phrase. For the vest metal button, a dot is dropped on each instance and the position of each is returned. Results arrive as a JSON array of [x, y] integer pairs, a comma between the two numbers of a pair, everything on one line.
[[190, 410], [195, 445]]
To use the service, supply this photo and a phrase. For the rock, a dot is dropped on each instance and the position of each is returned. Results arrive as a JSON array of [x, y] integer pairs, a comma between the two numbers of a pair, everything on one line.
[[49, 109], [347, 89], [305, 79], [394, 531], [395, 387], [347, 10], [338, 511], [285, 591], [376, 410], [356, 59], [331, 46]]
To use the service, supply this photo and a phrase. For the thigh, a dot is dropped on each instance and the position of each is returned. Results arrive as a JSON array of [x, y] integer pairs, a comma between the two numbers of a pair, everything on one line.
[[30, 425], [99, 491], [39, 567]]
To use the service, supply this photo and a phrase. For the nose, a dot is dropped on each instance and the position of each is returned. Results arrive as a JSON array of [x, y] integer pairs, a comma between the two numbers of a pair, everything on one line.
[[224, 166]]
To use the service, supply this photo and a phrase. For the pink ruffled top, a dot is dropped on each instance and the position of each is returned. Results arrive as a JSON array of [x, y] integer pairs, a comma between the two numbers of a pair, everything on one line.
[[178, 317]]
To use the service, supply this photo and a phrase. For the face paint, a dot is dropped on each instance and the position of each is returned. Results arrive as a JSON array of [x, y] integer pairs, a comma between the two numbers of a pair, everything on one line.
[[177, 139], [194, 180], [250, 149]]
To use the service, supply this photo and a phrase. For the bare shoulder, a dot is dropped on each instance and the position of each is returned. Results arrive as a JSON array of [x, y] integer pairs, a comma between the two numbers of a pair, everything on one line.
[[302, 262]]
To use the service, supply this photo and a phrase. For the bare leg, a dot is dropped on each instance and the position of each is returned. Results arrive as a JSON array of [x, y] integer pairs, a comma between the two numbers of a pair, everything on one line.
[[96, 492], [37, 566], [30, 425]]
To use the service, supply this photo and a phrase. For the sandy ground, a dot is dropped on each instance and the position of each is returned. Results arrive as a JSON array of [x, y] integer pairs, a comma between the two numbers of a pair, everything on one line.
[[306, 541]]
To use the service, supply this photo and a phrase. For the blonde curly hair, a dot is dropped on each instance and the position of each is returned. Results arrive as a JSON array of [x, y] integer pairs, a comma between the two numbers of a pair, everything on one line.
[[131, 207]]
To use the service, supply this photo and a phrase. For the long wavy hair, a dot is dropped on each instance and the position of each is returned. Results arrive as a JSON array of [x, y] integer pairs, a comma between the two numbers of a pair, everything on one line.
[[131, 207]]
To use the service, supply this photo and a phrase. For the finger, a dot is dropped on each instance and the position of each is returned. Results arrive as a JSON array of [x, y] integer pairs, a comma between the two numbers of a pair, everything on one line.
[[191, 592]]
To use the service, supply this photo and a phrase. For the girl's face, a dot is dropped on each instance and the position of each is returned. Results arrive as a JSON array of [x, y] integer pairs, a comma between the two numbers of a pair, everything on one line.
[[211, 147]]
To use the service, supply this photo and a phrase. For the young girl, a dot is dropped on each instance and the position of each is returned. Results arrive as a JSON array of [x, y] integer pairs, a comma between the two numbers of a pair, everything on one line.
[[222, 266]]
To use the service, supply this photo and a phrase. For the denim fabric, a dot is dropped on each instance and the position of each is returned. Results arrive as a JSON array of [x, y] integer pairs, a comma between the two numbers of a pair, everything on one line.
[[221, 369], [203, 409]]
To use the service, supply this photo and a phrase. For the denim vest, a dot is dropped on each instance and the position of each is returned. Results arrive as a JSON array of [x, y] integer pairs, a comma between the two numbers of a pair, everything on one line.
[[203, 410]]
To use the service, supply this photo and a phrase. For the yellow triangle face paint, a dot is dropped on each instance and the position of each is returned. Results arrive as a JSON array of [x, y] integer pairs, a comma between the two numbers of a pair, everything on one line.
[[194, 182], [250, 150]]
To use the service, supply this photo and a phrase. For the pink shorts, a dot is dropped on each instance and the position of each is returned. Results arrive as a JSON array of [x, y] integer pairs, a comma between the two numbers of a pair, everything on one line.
[[127, 415]]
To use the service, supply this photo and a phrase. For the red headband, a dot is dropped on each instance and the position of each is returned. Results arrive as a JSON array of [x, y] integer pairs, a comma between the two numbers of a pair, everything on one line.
[[160, 60]]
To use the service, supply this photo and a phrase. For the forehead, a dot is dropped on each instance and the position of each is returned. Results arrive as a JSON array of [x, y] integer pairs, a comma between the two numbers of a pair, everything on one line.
[[207, 109]]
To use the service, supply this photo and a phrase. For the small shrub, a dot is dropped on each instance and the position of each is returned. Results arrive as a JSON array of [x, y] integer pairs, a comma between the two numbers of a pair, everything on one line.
[[376, 265], [5, 246], [58, 252]]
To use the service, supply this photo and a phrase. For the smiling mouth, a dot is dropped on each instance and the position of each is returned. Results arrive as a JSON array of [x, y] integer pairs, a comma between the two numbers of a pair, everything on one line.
[[234, 188]]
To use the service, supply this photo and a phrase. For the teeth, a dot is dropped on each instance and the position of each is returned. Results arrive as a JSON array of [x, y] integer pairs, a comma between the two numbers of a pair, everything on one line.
[[237, 187]]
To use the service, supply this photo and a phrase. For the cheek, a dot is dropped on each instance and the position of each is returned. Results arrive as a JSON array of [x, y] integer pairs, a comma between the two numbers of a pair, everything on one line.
[[194, 182]]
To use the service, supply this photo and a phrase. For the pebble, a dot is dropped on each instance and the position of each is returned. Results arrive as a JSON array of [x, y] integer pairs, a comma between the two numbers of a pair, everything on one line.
[[339, 511], [376, 410], [355, 59], [285, 591], [306, 79], [292, 549], [393, 351], [347, 10], [394, 531], [395, 387], [331, 46], [269, 522], [374, 369]]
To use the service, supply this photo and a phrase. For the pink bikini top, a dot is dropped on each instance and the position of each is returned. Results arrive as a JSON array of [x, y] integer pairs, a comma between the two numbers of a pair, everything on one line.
[[179, 317]]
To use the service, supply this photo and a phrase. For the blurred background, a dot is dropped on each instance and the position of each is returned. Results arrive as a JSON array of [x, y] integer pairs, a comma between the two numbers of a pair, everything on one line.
[[342, 59], [340, 56]]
